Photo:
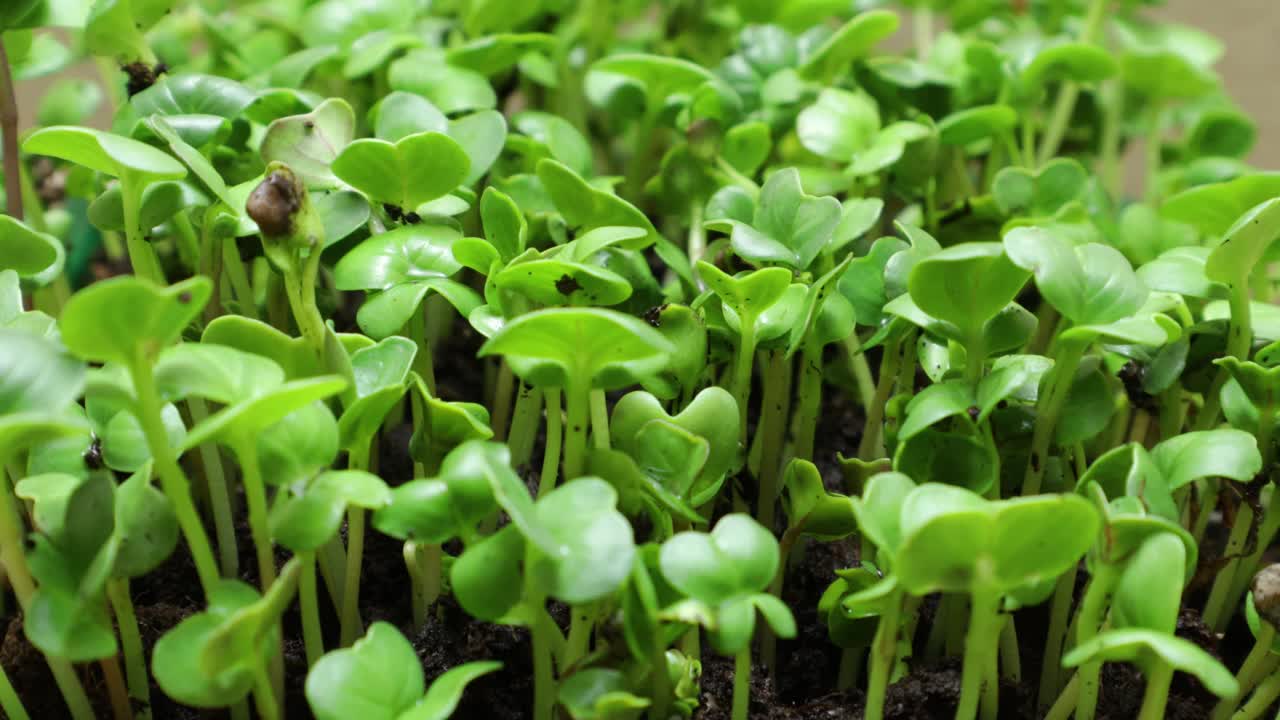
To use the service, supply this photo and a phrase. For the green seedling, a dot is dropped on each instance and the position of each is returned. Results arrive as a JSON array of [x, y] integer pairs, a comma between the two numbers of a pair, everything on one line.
[[973, 547], [572, 545], [216, 657], [379, 677], [722, 574], [404, 266], [706, 252], [609, 350], [135, 164]]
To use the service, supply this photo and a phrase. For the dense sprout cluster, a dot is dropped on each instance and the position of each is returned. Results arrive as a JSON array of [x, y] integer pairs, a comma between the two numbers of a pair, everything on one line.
[[607, 315]]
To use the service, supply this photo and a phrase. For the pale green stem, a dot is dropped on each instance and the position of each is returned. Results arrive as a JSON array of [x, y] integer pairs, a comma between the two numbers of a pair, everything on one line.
[[219, 497], [172, 479], [599, 420], [20, 580], [9, 700], [358, 459], [860, 370], [1217, 609], [1261, 700], [883, 651], [740, 381], [1059, 613], [742, 683], [1239, 343], [1159, 676], [309, 603], [809, 402], [9, 135], [1048, 409], [1070, 91], [1092, 610], [141, 255], [502, 402], [551, 452], [135, 661], [577, 399], [238, 277], [1250, 671], [1062, 707], [979, 645], [872, 445]]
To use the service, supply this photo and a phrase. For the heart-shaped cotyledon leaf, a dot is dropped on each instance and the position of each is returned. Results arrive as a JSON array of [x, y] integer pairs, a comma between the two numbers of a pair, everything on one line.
[[1147, 648], [853, 41], [128, 319], [594, 544], [789, 227], [1091, 284], [414, 170], [966, 285], [723, 572], [711, 415], [405, 265], [452, 504], [29, 253], [309, 518], [600, 693], [661, 77], [380, 678], [585, 207], [178, 660], [582, 549], [580, 347], [381, 375], [955, 541], [1041, 193], [106, 153], [310, 143], [811, 508]]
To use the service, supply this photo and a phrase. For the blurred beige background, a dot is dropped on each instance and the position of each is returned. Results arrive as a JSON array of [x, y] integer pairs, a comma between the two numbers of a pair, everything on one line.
[[1251, 66]]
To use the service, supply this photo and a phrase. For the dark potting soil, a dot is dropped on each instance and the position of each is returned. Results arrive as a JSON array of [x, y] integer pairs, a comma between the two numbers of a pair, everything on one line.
[[801, 688]]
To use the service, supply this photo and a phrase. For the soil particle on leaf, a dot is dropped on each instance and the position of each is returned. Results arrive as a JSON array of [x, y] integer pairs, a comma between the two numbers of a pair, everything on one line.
[[142, 76]]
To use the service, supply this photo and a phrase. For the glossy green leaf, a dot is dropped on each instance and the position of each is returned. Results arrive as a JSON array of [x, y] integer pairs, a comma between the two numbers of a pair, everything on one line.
[[587, 208], [966, 285], [310, 143], [1090, 284], [27, 252], [451, 89], [594, 548], [580, 347], [306, 521], [1215, 207], [661, 77], [1225, 453], [1244, 244], [853, 41], [414, 170], [1149, 593], [738, 556], [379, 677], [1146, 646], [106, 153], [128, 319]]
